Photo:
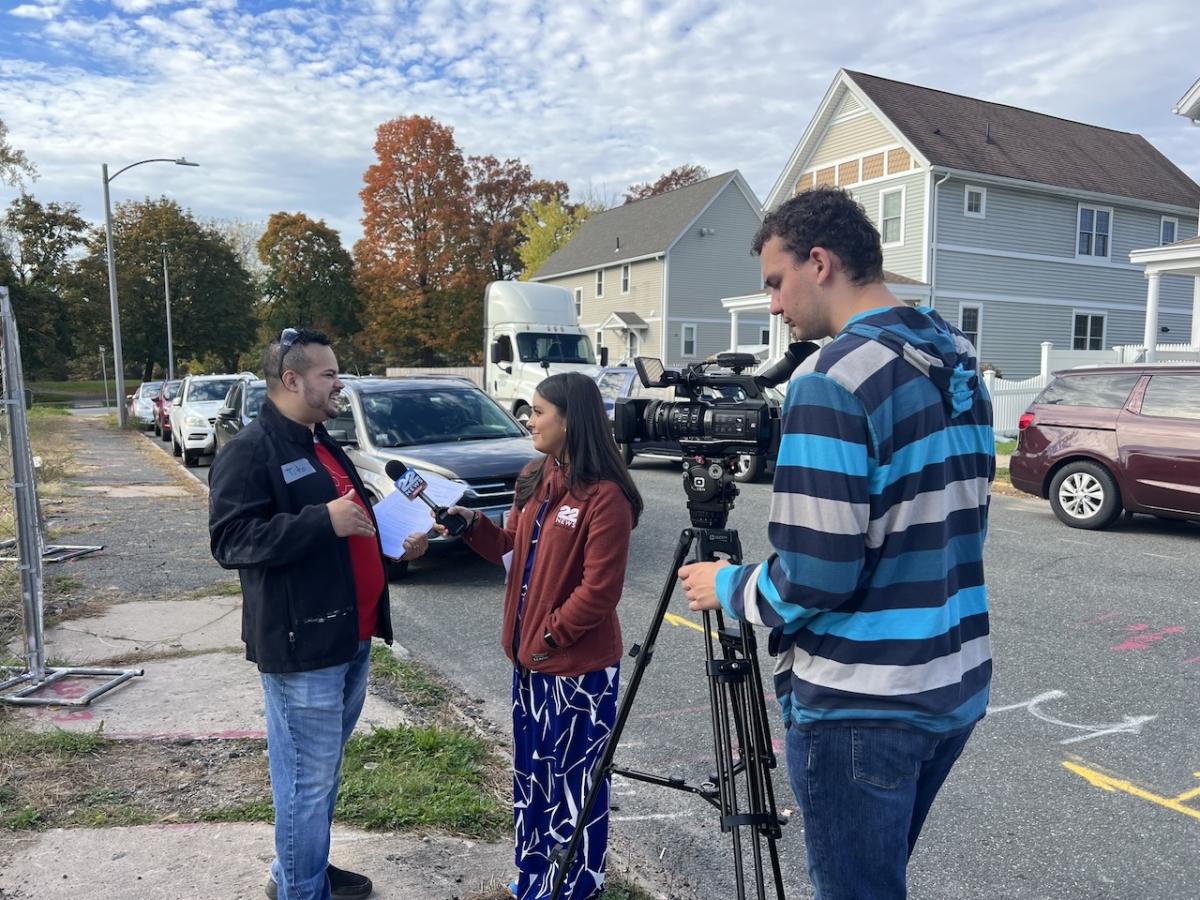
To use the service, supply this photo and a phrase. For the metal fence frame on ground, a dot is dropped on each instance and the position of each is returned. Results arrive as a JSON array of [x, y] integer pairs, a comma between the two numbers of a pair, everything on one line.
[[19, 506]]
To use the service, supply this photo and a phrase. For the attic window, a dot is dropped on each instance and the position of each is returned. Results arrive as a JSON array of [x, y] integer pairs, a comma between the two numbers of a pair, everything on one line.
[[975, 202]]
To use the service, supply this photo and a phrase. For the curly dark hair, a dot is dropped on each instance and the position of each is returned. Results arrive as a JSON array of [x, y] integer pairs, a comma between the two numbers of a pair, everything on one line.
[[827, 217]]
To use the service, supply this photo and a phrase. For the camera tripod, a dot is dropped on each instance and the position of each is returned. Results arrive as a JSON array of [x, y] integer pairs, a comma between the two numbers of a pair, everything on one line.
[[741, 788]]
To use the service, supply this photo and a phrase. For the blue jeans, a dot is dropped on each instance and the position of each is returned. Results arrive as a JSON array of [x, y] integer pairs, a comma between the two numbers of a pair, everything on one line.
[[310, 716], [865, 792]]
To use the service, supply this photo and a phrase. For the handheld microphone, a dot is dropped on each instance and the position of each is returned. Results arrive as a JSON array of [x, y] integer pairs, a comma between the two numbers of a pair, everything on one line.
[[413, 486]]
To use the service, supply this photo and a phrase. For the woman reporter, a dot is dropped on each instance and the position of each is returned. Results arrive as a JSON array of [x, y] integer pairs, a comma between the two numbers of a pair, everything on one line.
[[568, 533]]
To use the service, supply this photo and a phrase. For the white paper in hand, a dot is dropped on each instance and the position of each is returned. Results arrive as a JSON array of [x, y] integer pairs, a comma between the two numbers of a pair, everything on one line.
[[399, 517]]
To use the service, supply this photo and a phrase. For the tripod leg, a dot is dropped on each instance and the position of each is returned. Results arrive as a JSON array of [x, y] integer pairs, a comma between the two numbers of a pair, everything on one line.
[[723, 747], [564, 858]]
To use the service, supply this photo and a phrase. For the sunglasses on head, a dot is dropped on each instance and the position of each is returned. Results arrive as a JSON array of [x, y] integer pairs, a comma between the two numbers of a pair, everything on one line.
[[287, 338]]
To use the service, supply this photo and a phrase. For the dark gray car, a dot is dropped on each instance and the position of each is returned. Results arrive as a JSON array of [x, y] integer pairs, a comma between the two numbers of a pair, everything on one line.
[[434, 424]]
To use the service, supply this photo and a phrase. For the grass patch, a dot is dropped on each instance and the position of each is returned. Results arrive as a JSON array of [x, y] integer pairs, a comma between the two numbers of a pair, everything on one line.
[[1006, 446], [89, 393], [412, 681], [615, 888], [426, 777], [223, 589], [255, 811]]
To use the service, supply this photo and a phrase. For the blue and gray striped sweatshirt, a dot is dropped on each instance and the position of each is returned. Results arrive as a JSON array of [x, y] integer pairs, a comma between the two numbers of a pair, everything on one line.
[[875, 590]]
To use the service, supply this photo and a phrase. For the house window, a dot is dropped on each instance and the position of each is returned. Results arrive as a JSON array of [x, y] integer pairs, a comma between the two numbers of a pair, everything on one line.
[[578, 303], [1095, 227], [764, 335], [975, 202], [891, 217], [687, 340], [631, 344], [969, 318], [599, 282], [1168, 231], [1089, 332], [624, 279], [599, 339]]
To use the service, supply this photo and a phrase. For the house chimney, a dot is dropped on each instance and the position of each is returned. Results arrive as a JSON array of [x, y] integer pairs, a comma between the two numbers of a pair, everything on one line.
[[618, 247]]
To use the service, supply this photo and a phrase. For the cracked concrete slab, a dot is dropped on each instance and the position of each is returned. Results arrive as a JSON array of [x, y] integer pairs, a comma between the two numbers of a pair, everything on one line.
[[148, 626]]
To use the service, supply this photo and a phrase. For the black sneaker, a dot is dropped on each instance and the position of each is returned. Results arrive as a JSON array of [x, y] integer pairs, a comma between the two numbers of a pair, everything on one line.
[[343, 885]]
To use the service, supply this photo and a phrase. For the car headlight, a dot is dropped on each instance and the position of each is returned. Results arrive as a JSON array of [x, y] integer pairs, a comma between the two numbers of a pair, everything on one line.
[[194, 421]]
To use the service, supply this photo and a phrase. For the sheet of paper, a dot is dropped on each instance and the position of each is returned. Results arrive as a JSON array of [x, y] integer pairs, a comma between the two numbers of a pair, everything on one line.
[[507, 558], [399, 517]]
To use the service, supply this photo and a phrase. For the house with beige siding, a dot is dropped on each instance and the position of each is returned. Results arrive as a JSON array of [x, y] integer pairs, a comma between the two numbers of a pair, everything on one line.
[[648, 277], [1017, 225]]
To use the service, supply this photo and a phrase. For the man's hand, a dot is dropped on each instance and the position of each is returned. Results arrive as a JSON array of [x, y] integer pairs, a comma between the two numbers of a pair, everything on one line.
[[348, 518], [415, 545], [699, 582]]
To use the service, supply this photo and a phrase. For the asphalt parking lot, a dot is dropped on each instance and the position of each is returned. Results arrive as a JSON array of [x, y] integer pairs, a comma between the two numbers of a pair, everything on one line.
[[1083, 781]]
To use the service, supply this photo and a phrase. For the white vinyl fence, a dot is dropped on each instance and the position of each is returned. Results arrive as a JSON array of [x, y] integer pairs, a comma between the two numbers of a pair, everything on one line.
[[1011, 398]]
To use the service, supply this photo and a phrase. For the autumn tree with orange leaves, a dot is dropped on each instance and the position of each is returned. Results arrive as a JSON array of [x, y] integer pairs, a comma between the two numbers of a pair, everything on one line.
[[414, 262], [436, 228]]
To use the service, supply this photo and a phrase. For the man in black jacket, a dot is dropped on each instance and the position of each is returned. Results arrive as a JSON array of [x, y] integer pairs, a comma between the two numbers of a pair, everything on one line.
[[289, 512]]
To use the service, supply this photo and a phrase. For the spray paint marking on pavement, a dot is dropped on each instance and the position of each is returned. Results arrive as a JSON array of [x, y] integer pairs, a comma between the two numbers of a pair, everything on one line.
[[1131, 725], [686, 623], [1112, 784]]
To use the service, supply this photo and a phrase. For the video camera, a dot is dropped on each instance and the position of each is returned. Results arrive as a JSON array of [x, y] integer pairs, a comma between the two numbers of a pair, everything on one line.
[[723, 413], [722, 416]]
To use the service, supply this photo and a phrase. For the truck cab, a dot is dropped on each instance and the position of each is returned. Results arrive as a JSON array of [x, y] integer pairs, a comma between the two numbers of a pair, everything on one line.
[[530, 332]]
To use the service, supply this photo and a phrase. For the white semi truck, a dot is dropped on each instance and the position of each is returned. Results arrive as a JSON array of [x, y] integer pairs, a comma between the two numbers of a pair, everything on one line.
[[530, 331]]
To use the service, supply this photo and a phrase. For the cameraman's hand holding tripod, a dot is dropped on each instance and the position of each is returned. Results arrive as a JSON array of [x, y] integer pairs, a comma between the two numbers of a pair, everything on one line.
[[699, 581]]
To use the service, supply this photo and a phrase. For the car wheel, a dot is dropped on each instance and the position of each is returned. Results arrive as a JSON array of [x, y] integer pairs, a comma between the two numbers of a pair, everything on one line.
[[1084, 495], [747, 467], [626, 453], [176, 450], [522, 413], [191, 458]]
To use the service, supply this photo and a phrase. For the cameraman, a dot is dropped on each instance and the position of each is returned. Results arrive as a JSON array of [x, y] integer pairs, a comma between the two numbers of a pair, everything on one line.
[[875, 589]]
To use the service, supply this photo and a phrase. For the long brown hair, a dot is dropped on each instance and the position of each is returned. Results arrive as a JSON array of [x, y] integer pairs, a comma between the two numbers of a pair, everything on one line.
[[590, 451]]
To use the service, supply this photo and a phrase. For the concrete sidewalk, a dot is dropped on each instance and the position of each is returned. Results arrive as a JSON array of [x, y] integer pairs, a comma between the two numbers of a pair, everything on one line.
[[203, 690]]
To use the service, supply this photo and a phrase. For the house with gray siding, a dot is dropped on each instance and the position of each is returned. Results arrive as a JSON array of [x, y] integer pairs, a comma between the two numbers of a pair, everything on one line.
[[1018, 223], [648, 277]]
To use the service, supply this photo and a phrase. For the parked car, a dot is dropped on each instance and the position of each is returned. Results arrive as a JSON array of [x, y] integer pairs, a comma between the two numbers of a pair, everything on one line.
[[439, 424], [1103, 439], [193, 413], [616, 382], [241, 406], [162, 407], [141, 403]]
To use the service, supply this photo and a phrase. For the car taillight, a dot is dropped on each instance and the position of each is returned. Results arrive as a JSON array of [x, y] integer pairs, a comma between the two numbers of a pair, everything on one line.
[[1025, 421]]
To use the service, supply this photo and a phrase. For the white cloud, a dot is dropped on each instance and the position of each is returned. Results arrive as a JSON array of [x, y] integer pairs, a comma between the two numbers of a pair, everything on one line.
[[280, 106]]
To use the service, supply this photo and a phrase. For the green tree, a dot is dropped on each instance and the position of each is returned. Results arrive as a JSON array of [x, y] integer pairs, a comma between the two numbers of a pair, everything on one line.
[[36, 243], [14, 165], [309, 281], [212, 300], [545, 227]]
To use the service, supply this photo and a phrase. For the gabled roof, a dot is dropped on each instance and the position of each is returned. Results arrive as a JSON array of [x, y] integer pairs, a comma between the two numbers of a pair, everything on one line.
[[639, 229], [972, 135]]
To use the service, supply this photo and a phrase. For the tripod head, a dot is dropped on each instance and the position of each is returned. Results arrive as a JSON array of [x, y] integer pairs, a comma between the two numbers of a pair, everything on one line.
[[710, 488]]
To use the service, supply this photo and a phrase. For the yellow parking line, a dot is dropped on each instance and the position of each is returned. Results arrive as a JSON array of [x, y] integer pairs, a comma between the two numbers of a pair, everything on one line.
[[1194, 792], [1109, 783], [686, 623]]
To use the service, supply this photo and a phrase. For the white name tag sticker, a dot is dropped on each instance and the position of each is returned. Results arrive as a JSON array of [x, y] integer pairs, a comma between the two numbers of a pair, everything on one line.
[[296, 470]]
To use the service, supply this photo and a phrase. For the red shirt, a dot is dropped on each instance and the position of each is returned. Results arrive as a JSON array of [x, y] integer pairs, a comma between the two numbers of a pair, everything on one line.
[[365, 558]]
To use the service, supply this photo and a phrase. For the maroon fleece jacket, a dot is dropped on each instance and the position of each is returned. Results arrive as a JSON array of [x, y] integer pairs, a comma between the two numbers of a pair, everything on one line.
[[577, 574]]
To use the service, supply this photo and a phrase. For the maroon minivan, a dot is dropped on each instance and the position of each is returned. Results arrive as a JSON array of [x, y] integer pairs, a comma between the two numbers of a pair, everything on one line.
[[1103, 439]]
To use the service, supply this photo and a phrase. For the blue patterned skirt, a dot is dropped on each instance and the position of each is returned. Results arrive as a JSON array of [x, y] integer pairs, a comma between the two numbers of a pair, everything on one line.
[[561, 726]]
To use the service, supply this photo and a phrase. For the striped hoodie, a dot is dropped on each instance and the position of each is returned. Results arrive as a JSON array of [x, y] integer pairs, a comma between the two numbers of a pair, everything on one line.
[[875, 591]]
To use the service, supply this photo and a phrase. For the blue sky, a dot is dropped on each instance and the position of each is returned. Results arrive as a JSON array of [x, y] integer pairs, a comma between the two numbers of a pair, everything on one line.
[[279, 102]]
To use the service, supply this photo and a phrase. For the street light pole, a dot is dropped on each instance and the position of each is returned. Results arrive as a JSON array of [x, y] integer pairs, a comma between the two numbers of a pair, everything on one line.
[[170, 342], [118, 357]]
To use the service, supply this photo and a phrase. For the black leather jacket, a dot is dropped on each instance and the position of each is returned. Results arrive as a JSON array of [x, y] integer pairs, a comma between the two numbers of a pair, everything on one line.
[[267, 518]]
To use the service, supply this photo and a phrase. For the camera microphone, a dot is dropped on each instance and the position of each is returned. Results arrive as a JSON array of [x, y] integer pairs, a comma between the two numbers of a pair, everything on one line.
[[413, 486], [781, 370]]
